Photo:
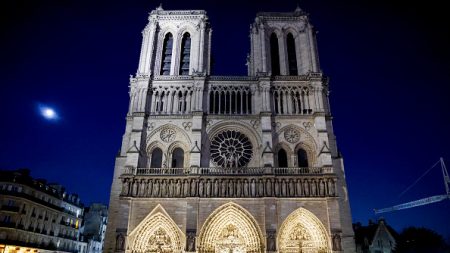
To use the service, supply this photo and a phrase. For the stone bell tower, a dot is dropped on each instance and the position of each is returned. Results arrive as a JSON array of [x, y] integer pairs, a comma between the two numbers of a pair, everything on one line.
[[228, 163]]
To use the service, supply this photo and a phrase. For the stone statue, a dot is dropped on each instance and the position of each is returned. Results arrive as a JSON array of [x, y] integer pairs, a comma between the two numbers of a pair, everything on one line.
[[223, 188], [246, 188], [276, 188], [253, 188], [269, 187], [120, 242], [149, 188], [306, 187], [238, 188], [321, 188], [200, 188], [135, 186], [331, 191], [298, 187], [193, 188], [230, 188], [216, 188], [178, 188], [208, 188], [337, 242], [156, 188], [283, 188], [186, 188], [261, 188]]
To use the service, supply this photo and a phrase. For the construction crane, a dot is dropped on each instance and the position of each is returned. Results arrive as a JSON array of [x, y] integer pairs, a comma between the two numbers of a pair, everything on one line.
[[424, 201]]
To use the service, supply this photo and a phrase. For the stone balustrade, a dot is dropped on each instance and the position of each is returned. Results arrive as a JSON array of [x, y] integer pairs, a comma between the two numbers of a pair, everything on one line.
[[227, 171]]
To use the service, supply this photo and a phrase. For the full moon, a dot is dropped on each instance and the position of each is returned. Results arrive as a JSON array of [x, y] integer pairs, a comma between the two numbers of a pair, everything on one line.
[[48, 113]]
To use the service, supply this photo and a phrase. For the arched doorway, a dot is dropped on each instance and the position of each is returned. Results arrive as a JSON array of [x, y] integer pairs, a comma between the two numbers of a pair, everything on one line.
[[302, 232], [157, 233], [230, 229]]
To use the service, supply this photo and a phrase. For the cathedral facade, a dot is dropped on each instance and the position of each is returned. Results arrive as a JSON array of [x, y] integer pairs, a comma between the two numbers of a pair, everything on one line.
[[228, 163]]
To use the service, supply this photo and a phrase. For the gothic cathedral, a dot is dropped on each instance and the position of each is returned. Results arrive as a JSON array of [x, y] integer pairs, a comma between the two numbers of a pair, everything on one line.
[[222, 164]]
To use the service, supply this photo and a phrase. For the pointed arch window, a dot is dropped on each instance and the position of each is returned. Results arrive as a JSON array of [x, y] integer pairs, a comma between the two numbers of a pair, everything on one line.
[[274, 55], [156, 158], [282, 158], [185, 54], [178, 158], [302, 158], [166, 60], [292, 57]]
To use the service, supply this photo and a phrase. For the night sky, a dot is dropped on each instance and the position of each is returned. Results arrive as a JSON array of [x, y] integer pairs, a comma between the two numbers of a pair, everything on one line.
[[388, 64]]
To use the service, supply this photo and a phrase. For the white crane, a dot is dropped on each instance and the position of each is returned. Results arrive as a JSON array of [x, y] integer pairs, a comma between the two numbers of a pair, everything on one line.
[[424, 201]]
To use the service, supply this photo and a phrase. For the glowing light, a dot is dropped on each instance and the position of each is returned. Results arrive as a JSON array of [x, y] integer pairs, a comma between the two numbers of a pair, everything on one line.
[[48, 112]]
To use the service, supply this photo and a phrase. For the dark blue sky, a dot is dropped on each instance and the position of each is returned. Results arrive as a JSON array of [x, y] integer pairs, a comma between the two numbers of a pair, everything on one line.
[[388, 64]]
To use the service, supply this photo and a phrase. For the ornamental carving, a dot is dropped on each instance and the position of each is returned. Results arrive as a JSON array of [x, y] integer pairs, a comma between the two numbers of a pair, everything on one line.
[[292, 135], [159, 242], [168, 134], [231, 149]]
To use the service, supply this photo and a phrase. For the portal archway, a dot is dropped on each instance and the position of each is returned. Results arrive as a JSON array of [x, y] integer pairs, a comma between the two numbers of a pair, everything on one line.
[[302, 232], [157, 233], [230, 229]]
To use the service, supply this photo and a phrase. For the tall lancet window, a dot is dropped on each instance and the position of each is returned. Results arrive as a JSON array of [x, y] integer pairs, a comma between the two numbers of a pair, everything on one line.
[[274, 55], [166, 55], [156, 158], [185, 54], [292, 57]]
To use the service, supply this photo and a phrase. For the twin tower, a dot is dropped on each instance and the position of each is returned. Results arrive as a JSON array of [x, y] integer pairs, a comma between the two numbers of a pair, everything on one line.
[[223, 164]]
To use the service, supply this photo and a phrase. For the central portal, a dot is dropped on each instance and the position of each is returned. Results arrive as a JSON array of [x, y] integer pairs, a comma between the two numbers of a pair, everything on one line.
[[230, 241], [230, 229]]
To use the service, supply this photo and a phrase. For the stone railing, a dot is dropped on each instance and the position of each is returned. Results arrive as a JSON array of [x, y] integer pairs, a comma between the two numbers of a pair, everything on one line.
[[227, 183], [227, 171]]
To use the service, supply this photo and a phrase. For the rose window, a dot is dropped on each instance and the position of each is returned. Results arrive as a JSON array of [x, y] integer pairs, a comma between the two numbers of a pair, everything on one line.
[[231, 149]]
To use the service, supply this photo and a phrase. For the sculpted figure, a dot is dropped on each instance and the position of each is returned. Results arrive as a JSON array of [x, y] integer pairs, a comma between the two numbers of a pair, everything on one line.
[[276, 188], [224, 188], [193, 188], [163, 188], [285, 189], [178, 187], [125, 186], [321, 187], [291, 188], [306, 187], [269, 187], [208, 188], [313, 188], [246, 193], [149, 188], [253, 188], [216, 188], [186, 188], [170, 186], [238, 188], [156, 188], [231, 188], [261, 188], [299, 189], [331, 187], [200, 188], [135, 188]]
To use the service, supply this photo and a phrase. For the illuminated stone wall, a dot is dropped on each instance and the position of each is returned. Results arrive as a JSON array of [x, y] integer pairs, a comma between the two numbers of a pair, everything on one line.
[[228, 163]]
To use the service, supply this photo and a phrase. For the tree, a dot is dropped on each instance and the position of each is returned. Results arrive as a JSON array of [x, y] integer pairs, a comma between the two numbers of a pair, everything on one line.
[[421, 240]]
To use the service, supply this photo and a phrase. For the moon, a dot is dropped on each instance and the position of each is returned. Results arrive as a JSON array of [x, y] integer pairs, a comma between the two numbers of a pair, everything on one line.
[[48, 113]]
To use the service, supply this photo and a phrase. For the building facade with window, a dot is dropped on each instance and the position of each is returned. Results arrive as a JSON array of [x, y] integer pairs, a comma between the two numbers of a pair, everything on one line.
[[34, 214], [228, 163], [94, 227]]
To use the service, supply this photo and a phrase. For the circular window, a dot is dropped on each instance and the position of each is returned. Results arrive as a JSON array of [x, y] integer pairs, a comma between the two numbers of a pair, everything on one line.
[[231, 149]]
